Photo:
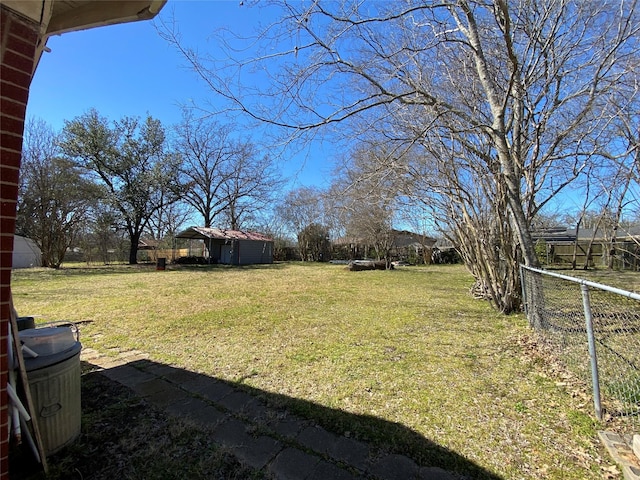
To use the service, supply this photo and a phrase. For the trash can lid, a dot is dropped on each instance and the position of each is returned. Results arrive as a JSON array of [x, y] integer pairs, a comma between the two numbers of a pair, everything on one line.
[[43, 361], [48, 340]]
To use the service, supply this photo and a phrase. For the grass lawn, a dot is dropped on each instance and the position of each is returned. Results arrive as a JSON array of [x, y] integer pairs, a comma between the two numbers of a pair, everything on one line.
[[409, 346], [625, 280]]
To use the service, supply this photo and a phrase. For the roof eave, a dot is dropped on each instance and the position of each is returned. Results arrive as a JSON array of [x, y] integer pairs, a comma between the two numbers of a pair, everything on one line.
[[91, 14], [56, 17]]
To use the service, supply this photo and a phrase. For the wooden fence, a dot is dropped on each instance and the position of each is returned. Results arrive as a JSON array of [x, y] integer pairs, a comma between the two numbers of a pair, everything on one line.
[[626, 255], [170, 254]]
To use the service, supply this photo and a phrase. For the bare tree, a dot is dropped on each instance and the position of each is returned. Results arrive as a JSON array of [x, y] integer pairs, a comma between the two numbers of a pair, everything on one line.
[[251, 182], [228, 179], [517, 87], [205, 147], [610, 184], [369, 195], [165, 223], [102, 239], [55, 200], [300, 208], [271, 223], [469, 209], [302, 212], [626, 174]]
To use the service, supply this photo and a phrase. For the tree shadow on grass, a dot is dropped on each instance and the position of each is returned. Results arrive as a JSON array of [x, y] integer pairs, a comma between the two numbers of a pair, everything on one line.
[[148, 267], [150, 420], [220, 266]]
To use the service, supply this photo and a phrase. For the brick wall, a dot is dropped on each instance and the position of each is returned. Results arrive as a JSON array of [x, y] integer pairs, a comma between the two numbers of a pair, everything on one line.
[[18, 40]]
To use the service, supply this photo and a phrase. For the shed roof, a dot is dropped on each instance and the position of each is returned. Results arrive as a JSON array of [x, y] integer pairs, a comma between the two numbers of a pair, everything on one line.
[[147, 244], [405, 238], [221, 234]]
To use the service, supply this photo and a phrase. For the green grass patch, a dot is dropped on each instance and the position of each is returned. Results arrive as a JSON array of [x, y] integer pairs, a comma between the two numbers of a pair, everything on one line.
[[626, 391], [624, 279], [405, 359]]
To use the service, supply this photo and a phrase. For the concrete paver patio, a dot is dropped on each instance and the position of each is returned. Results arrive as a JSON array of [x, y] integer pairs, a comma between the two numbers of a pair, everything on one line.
[[285, 446]]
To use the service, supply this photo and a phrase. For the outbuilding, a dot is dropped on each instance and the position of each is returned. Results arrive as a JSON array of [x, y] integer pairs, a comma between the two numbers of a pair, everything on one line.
[[231, 247], [26, 253]]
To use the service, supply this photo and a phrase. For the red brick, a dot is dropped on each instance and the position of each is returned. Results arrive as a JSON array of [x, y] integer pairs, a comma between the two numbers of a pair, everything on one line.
[[4, 447], [13, 125], [4, 431], [9, 108], [9, 191], [11, 141], [6, 203], [5, 279], [4, 361], [6, 258], [6, 243], [10, 161], [8, 206], [9, 173], [21, 45], [14, 75], [14, 92], [17, 61], [19, 38], [8, 223], [21, 28], [5, 289]]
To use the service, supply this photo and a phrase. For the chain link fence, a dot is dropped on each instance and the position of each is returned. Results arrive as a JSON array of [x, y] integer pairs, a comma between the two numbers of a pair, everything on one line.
[[593, 330]]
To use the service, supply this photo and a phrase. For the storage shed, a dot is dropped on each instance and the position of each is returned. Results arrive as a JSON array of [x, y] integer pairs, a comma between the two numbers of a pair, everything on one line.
[[231, 247], [26, 253]]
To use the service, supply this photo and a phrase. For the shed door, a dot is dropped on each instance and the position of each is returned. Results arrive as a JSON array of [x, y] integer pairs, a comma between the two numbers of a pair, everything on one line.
[[225, 254]]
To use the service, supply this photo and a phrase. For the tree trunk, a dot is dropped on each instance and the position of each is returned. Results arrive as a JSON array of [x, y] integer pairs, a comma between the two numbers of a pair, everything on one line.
[[508, 177], [133, 249], [514, 204], [616, 220], [574, 258], [587, 255]]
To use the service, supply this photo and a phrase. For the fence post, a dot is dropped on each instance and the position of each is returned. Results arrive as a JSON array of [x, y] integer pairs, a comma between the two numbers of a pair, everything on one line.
[[523, 287], [586, 302]]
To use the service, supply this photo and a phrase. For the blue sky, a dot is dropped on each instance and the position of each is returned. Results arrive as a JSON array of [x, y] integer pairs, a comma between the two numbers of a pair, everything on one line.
[[128, 70]]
